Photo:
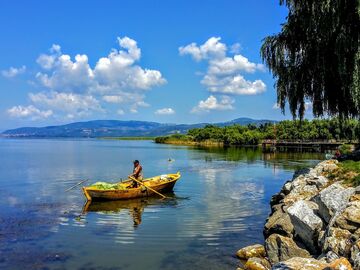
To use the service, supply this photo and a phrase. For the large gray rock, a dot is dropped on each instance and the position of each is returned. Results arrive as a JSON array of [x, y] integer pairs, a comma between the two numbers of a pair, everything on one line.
[[280, 248], [279, 222], [307, 225], [332, 200]]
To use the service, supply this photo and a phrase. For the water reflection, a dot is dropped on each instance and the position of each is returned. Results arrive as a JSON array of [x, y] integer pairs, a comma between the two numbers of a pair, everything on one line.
[[134, 207], [250, 155]]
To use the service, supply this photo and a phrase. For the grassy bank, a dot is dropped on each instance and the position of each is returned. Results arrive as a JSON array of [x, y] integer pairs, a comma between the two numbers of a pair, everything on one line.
[[128, 138], [348, 172], [180, 139]]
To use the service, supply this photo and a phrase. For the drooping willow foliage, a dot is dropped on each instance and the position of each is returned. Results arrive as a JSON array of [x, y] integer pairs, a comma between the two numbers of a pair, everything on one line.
[[316, 57]]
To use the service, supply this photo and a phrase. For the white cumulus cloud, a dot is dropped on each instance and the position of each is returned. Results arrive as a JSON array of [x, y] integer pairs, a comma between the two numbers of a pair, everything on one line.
[[212, 103], [74, 105], [165, 111], [12, 71], [28, 112], [225, 73], [233, 85], [212, 48], [111, 74]]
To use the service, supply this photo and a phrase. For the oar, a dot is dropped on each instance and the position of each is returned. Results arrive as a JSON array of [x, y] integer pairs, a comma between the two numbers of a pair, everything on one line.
[[74, 186], [153, 190]]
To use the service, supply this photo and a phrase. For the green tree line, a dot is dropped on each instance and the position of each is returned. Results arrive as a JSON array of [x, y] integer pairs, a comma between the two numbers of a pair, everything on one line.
[[314, 130]]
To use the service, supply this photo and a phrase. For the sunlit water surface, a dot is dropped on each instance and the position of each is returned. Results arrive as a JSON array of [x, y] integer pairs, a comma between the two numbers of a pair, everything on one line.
[[220, 205]]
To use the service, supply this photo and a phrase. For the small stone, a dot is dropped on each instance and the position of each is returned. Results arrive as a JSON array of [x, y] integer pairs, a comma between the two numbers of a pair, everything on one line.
[[251, 251], [280, 248], [257, 264], [298, 263]]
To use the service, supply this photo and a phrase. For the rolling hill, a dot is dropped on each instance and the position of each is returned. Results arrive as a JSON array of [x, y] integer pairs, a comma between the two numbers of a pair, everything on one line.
[[116, 128]]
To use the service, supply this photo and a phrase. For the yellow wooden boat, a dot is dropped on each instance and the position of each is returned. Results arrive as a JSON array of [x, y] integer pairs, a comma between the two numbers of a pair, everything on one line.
[[124, 191]]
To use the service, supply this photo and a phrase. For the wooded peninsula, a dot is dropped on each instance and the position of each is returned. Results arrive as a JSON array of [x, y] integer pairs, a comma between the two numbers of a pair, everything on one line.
[[288, 130]]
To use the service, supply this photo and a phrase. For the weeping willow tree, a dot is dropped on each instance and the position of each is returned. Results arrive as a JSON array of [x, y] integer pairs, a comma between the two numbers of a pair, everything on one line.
[[316, 57]]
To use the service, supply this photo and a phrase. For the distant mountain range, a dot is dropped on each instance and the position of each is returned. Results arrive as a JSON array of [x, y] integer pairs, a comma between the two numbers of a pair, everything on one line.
[[116, 128]]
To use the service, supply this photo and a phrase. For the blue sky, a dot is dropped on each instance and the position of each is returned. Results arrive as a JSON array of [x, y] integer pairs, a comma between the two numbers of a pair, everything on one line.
[[166, 61]]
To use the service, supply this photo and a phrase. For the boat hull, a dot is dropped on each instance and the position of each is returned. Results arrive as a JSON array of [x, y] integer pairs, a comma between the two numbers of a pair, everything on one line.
[[131, 193]]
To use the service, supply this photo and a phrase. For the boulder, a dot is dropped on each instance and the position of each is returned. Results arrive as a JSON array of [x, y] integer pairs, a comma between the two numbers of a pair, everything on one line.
[[332, 199], [251, 251], [340, 264], [298, 263], [279, 222], [338, 241], [352, 213], [280, 248], [326, 166], [349, 218], [256, 263], [307, 225], [301, 192]]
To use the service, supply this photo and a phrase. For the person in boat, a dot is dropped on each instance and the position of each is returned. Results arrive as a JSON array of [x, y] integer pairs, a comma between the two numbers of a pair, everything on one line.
[[137, 173]]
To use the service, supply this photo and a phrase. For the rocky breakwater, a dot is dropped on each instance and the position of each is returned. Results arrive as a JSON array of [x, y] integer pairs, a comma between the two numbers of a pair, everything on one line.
[[314, 224]]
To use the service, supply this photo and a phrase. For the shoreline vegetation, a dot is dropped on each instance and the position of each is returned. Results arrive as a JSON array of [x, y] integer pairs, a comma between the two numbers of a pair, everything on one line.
[[139, 138], [325, 130]]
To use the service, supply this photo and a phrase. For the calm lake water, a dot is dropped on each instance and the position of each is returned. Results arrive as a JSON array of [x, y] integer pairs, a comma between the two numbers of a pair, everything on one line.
[[220, 205]]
